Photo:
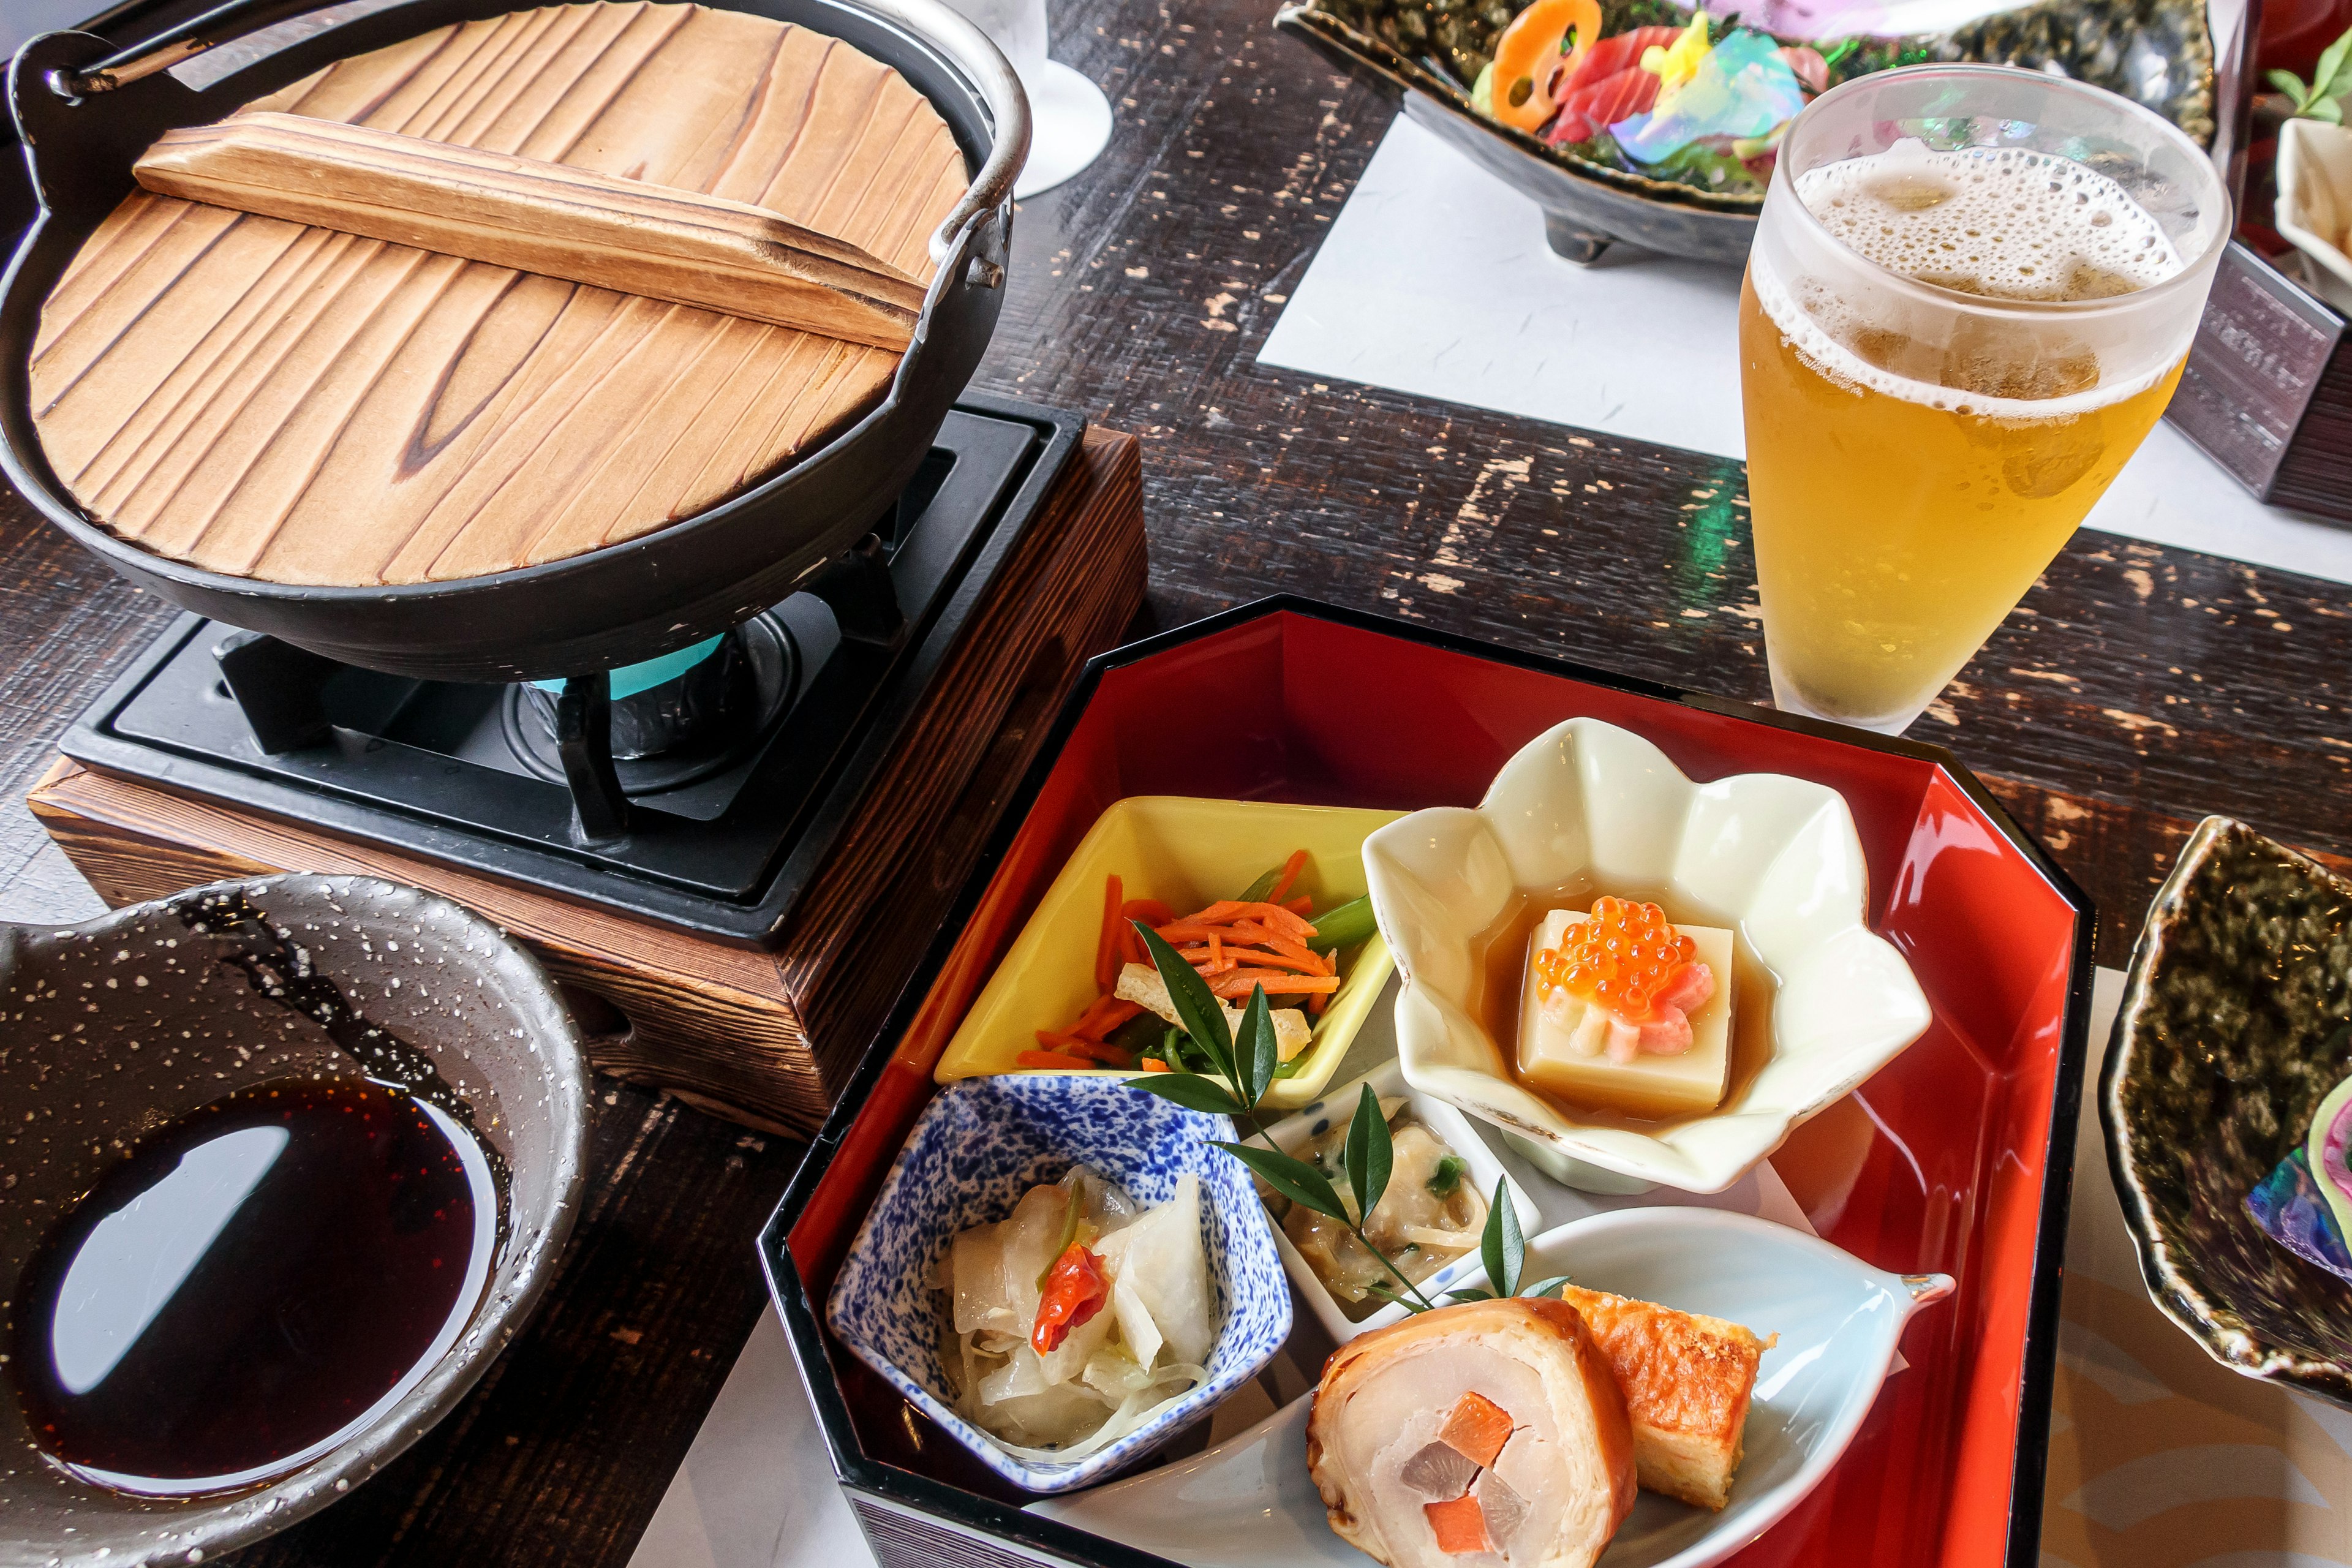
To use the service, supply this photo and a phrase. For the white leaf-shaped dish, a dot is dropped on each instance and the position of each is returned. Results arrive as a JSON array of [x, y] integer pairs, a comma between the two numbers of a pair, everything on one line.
[[1247, 1503], [1589, 804]]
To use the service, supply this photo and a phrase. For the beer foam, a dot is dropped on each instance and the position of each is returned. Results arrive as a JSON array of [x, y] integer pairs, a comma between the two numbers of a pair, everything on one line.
[[2005, 224]]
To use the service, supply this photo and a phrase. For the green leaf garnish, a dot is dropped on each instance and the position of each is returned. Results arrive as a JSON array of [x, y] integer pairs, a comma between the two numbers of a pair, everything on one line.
[[1190, 1090], [1257, 1051], [2333, 78], [1504, 1249], [1546, 1287], [1197, 1008], [1294, 1179], [2331, 81], [1368, 1153]]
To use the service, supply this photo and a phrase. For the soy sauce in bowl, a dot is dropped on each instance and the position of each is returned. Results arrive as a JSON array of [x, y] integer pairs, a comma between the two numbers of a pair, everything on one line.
[[254, 1283]]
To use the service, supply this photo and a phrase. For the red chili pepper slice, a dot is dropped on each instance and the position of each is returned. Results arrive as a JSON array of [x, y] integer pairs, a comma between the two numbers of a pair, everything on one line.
[[1075, 1291]]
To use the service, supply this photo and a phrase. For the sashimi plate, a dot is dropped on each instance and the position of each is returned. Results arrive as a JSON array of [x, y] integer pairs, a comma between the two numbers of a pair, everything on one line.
[[1247, 1503]]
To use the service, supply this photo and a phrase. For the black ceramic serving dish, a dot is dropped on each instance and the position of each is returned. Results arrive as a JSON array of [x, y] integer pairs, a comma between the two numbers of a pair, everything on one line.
[[2236, 1022], [1427, 54], [628, 602], [117, 1027]]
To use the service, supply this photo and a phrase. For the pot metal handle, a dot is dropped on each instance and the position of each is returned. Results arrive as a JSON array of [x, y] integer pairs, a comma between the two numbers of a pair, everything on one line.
[[970, 50], [978, 57], [221, 24]]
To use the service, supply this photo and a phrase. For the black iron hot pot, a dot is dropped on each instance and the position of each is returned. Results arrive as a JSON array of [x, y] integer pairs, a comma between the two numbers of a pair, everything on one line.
[[86, 110]]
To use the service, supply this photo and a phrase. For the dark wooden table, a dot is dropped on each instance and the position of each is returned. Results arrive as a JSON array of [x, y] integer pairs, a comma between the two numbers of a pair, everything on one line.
[[2135, 690]]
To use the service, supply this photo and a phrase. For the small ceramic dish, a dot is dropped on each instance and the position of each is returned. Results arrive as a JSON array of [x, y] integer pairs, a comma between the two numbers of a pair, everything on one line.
[[1187, 854], [115, 1027], [1588, 805], [978, 1147], [1454, 1130], [1248, 1501], [2236, 1022], [2314, 202]]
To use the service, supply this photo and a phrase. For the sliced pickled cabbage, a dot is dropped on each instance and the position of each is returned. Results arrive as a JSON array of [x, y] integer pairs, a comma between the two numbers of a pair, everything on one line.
[[1159, 1255], [1140, 1348]]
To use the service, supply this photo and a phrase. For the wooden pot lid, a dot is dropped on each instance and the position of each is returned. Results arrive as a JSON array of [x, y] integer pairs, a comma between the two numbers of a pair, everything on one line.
[[267, 399]]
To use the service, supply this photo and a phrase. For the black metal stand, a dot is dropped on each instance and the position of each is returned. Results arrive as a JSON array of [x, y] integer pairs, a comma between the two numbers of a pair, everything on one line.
[[280, 687], [706, 802], [583, 737]]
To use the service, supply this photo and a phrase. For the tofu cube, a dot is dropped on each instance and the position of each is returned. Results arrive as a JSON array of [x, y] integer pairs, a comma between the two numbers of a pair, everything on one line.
[[1553, 1059]]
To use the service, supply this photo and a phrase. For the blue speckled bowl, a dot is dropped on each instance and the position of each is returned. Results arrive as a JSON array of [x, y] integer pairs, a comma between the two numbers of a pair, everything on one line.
[[981, 1145]]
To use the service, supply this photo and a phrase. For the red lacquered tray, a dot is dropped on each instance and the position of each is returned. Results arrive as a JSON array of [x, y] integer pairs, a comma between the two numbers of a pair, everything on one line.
[[1956, 1158]]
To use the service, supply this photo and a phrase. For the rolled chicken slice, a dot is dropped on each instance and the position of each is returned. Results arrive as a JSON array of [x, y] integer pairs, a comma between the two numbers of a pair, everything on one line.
[[1487, 1435]]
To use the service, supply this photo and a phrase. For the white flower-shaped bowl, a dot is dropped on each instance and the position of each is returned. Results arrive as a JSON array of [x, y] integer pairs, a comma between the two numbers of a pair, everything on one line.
[[1588, 806]]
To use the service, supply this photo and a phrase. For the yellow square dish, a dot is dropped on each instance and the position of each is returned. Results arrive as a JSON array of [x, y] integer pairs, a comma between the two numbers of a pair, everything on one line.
[[1187, 854]]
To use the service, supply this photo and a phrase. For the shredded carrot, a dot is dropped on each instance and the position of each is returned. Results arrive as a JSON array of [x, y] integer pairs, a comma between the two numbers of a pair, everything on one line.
[[1114, 1013], [1235, 984], [1290, 869], [1276, 915], [1234, 945], [1309, 964], [1106, 945], [1105, 1013]]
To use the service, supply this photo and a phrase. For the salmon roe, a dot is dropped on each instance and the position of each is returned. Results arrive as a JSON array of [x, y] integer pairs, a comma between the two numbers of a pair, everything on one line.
[[1621, 958]]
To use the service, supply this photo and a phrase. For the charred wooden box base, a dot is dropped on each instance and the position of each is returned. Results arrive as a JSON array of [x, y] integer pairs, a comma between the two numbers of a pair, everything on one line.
[[759, 1022]]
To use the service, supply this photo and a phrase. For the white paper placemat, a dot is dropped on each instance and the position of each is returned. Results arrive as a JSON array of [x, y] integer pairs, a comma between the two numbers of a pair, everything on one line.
[[1435, 280]]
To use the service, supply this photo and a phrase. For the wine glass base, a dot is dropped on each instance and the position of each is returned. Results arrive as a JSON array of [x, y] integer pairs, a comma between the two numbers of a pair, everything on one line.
[[1070, 126]]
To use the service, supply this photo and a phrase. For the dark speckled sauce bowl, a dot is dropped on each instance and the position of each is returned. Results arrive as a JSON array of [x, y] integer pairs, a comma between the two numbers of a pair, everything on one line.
[[2231, 1032], [103, 1037]]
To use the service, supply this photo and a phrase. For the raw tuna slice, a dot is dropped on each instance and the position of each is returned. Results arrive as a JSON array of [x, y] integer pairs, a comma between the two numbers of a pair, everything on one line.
[[1605, 101]]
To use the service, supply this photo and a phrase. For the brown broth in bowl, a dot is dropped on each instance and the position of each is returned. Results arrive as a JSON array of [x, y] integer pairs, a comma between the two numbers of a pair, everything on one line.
[[1500, 954]]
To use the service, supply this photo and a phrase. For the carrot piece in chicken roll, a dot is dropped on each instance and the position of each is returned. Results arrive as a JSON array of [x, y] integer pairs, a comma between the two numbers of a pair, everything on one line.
[[1487, 1435]]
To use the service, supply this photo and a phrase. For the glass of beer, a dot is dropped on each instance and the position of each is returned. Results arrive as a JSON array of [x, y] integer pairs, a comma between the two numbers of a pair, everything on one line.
[[1969, 297]]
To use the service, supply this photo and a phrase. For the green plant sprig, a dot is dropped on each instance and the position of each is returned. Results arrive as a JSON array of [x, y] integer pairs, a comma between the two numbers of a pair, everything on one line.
[[1244, 1067], [1248, 1067], [1504, 1250], [2331, 81]]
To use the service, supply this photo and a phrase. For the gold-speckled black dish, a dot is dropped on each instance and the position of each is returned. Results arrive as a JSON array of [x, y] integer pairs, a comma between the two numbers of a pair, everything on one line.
[[1428, 53], [2232, 1030], [112, 1028]]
